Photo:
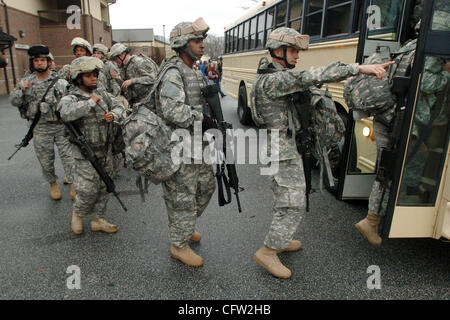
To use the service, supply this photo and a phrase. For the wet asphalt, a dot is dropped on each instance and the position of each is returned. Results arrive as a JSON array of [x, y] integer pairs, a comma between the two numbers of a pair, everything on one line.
[[37, 245]]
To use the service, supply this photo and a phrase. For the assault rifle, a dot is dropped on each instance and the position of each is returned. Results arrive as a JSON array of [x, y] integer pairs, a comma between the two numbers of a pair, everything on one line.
[[88, 153], [37, 117], [211, 94], [304, 137]]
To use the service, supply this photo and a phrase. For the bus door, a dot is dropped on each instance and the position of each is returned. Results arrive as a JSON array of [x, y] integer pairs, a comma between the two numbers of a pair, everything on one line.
[[419, 197], [386, 28]]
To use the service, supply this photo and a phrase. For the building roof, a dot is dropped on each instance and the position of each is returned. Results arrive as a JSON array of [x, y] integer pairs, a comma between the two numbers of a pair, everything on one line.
[[132, 35]]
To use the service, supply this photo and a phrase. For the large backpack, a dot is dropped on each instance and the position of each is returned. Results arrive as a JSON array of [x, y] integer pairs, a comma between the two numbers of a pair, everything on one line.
[[328, 126], [148, 138], [370, 96]]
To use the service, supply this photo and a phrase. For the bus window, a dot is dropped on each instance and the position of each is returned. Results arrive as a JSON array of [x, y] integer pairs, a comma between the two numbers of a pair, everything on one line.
[[269, 21], [314, 17], [429, 137], [260, 35], [253, 33], [440, 17], [338, 17], [384, 19], [281, 14], [295, 16]]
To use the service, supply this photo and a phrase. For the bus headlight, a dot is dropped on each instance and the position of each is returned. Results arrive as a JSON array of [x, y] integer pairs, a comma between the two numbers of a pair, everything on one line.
[[366, 132]]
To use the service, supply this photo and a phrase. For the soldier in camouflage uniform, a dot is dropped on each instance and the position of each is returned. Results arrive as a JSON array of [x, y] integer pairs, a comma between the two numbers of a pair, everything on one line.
[[412, 191], [49, 130], [139, 73], [188, 192], [272, 90], [112, 86], [92, 110], [80, 48]]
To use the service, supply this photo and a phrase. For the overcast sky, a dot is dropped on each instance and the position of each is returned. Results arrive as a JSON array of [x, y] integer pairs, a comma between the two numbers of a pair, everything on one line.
[[130, 14]]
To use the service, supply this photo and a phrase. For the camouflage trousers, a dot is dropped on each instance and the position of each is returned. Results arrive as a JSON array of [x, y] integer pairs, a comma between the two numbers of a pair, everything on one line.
[[379, 195], [91, 195], [187, 194], [46, 135], [288, 187]]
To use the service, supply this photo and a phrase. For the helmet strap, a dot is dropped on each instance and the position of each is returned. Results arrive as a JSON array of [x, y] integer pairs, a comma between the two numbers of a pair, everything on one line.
[[189, 52], [284, 58]]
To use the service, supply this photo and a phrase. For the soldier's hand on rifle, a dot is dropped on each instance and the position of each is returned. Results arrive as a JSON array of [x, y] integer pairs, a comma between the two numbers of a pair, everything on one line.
[[109, 117], [95, 98], [25, 85], [114, 75], [377, 70], [208, 123], [126, 84]]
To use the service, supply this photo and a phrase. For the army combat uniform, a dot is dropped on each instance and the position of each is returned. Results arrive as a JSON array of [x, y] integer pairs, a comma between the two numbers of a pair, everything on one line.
[[49, 130], [91, 195], [181, 103], [78, 107], [272, 92]]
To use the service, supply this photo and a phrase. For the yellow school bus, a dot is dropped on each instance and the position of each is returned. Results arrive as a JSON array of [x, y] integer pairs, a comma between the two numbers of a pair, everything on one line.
[[342, 31]]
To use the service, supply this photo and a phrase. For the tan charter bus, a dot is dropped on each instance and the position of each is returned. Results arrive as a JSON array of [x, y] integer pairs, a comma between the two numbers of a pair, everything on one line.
[[349, 31]]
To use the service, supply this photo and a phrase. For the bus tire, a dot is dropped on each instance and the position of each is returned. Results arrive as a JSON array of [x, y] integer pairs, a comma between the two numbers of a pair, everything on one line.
[[243, 111]]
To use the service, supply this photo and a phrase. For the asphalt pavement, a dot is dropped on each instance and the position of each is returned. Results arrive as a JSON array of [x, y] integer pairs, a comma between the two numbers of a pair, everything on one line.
[[38, 247]]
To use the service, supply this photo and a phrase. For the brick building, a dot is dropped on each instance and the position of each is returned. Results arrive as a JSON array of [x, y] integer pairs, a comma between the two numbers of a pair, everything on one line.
[[53, 23], [144, 41]]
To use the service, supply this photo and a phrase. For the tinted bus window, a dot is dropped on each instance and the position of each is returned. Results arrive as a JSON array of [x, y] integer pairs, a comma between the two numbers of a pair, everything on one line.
[[260, 35], [281, 14], [338, 18], [296, 13], [253, 33], [314, 17]]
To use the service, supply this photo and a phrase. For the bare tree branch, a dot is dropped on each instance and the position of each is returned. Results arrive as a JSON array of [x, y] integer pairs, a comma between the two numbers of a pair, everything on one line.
[[214, 46]]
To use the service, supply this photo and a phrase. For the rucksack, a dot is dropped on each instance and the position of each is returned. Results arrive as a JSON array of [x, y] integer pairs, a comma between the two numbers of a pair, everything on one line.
[[370, 96], [148, 145], [328, 126]]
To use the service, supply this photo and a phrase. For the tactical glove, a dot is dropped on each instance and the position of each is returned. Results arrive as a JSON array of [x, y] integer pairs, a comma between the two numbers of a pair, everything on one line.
[[208, 123]]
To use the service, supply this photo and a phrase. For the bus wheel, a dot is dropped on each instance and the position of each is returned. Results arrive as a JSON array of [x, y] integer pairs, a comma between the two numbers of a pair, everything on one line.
[[243, 111]]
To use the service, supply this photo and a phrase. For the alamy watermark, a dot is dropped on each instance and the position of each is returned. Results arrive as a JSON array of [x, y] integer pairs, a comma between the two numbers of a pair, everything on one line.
[[374, 280], [74, 280], [74, 20], [209, 147]]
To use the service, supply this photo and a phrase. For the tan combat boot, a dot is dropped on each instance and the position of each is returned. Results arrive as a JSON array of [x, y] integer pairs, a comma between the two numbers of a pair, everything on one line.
[[99, 224], [55, 193], [72, 192], [295, 245], [267, 258], [186, 255], [196, 237], [77, 224], [368, 227]]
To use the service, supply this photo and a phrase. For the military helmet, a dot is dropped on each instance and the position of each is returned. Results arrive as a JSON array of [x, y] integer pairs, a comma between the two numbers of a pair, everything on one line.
[[50, 56], [116, 50], [100, 47], [183, 32], [287, 37], [84, 65], [38, 51], [80, 42]]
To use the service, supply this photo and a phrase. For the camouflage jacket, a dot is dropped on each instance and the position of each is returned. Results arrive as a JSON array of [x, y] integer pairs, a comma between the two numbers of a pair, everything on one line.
[[179, 99], [106, 81], [30, 100], [272, 99], [79, 108], [64, 72], [142, 73]]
